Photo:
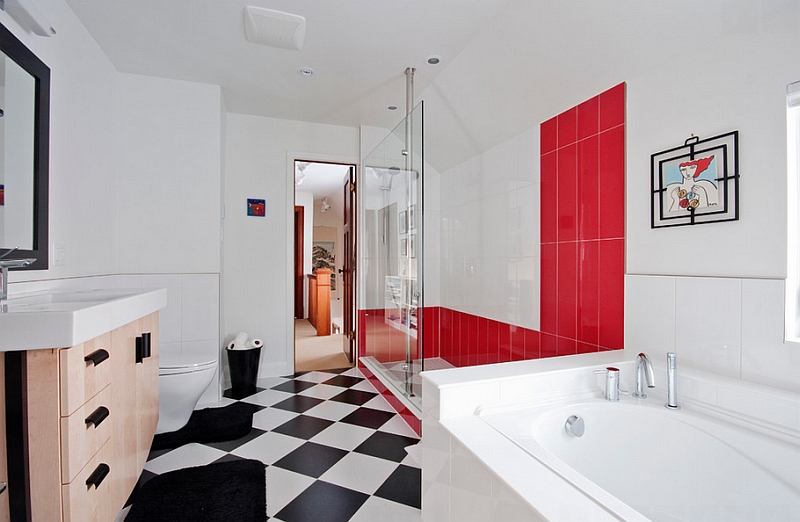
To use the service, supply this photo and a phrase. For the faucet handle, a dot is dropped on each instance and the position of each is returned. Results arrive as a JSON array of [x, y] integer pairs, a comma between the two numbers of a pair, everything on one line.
[[612, 383]]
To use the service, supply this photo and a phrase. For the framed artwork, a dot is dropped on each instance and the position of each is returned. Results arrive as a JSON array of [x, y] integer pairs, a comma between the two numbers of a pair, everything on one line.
[[696, 183], [256, 207], [404, 247], [323, 255], [402, 222], [412, 250], [2, 195], [412, 211]]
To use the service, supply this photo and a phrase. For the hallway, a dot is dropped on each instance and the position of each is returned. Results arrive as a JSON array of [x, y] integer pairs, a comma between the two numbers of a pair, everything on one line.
[[317, 353]]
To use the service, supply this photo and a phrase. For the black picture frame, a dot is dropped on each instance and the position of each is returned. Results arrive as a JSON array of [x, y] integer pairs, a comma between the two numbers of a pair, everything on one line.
[[695, 183]]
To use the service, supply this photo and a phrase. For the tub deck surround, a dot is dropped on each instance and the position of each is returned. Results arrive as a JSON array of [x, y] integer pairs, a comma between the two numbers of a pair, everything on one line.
[[43, 320], [470, 468]]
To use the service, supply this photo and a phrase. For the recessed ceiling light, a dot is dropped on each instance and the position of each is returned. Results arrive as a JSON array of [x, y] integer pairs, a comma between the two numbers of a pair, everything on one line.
[[434, 60], [305, 71], [392, 107]]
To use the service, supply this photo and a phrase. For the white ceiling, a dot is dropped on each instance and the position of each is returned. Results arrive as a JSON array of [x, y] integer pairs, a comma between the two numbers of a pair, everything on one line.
[[358, 48]]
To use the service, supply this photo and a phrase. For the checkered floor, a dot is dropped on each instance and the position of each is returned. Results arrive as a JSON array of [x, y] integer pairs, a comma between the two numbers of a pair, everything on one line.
[[335, 450]]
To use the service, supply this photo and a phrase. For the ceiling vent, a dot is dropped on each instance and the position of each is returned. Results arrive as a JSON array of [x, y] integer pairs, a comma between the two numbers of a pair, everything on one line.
[[274, 28]]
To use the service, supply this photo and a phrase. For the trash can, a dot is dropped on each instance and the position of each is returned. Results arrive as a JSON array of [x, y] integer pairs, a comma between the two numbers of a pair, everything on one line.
[[244, 371]]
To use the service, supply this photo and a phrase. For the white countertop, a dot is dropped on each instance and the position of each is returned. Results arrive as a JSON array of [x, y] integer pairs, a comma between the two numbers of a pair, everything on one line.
[[43, 320]]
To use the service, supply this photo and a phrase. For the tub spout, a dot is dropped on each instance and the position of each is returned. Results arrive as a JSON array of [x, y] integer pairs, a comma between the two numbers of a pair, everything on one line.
[[644, 372]]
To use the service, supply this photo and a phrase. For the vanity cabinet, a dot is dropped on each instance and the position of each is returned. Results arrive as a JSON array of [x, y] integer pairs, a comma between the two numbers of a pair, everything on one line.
[[92, 410]]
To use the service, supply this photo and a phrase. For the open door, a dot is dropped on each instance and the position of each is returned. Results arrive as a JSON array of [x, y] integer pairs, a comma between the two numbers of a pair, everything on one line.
[[299, 274], [348, 267]]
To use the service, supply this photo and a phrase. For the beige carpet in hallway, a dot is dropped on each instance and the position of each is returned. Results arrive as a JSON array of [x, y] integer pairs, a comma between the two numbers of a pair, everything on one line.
[[312, 352]]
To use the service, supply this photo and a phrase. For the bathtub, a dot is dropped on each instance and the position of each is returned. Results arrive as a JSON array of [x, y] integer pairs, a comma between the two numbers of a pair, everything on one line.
[[642, 461]]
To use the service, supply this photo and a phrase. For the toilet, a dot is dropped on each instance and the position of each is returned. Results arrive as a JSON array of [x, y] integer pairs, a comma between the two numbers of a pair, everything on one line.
[[182, 379]]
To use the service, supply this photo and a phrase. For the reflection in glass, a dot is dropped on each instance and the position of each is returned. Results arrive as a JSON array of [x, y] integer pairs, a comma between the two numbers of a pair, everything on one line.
[[17, 102]]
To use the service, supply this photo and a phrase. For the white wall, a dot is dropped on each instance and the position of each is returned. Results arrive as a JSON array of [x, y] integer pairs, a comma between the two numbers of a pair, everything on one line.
[[168, 188], [257, 252], [135, 181], [488, 102]]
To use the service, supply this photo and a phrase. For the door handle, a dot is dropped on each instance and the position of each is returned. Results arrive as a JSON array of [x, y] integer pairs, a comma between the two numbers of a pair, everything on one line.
[[142, 347], [97, 357]]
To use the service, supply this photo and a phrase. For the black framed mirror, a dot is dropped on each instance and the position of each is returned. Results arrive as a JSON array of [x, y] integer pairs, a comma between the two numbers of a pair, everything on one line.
[[25, 149]]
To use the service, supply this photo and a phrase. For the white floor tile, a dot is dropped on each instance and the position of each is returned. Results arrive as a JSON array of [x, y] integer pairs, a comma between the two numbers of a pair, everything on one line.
[[269, 382], [267, 397], [376, 508], [343, 436], [332, 410], [269, 447], [282, 487], [366, 386], [379, 403], [353, 372], [270, 418], [317, 377], [186, 456], [398, 426], [360, 472], [322, 391]]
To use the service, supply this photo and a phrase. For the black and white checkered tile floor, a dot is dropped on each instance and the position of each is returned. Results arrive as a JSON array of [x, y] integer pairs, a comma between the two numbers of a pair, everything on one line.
[[335, 450]]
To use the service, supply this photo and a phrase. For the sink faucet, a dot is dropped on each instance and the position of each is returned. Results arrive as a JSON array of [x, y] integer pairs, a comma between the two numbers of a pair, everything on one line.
[[5, 264], [644, 371]]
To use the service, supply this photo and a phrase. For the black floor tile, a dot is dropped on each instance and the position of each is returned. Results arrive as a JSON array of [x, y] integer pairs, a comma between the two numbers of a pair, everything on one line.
[[294, 386], [404, 485], [345, 381], [368, 418], [230, 445], [143, 478], [229, 457], [338, 370], [298, 403], [311, 459], [293, 376], [241, 394], [303, 426], [323, 502], [386, 446], [157, 453], [356, 397]]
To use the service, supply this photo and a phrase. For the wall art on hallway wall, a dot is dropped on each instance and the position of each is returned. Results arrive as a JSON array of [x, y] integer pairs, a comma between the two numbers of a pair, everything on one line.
[[696, 183], [256, 207]]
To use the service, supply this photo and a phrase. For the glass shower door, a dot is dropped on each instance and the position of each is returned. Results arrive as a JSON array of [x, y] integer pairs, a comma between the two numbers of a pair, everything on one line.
[[391, 258]]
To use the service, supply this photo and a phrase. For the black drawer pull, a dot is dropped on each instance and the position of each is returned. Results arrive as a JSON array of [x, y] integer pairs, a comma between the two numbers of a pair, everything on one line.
[[97, 476], [143, 347], [97, 416], [96, 357]]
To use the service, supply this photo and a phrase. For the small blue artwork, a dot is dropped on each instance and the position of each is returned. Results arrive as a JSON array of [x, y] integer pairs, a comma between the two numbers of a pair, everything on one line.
[[256, 207]]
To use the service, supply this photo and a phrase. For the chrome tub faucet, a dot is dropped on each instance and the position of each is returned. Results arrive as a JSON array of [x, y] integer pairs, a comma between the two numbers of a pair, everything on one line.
[[644, 372], [672, 382]]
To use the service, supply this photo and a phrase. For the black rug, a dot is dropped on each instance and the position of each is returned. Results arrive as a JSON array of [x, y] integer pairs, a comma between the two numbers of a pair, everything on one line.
[[210, 425], [220, 492]]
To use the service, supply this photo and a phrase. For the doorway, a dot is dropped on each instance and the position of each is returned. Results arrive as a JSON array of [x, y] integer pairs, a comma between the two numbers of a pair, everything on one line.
[[323, 324]]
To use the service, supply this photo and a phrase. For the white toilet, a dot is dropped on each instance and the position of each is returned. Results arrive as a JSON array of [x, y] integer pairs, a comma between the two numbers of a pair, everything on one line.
[[182, 379]]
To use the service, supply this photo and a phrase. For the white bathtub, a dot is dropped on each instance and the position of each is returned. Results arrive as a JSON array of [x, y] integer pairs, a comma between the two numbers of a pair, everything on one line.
[[642, 461]]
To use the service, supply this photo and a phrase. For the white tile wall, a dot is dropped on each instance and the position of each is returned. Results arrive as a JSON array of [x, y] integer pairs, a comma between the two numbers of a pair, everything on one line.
[[729, 326]]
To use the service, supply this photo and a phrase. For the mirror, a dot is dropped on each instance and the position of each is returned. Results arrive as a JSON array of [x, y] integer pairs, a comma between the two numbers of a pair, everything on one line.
[[24, 151]]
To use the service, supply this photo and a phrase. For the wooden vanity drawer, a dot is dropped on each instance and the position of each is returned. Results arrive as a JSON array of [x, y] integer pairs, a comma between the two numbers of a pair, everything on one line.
[[81, 379], [89, 503], [84, 432]]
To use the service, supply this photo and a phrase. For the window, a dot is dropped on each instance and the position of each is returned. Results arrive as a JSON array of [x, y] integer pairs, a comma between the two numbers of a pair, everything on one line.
[[793, 211]]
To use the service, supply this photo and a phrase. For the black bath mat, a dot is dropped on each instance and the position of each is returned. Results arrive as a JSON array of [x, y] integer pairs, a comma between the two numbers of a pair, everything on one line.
[[224, 491], [210, 425]]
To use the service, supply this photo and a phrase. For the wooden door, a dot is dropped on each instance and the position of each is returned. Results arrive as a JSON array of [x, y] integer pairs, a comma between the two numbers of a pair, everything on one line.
[[348, 266], [299, 218]]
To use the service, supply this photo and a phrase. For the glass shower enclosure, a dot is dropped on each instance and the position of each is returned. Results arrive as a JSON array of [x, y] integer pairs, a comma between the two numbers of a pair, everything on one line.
[[391, 259]]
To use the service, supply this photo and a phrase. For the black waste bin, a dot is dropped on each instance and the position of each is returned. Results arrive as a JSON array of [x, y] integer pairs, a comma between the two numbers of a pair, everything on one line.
[[244, 371]]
